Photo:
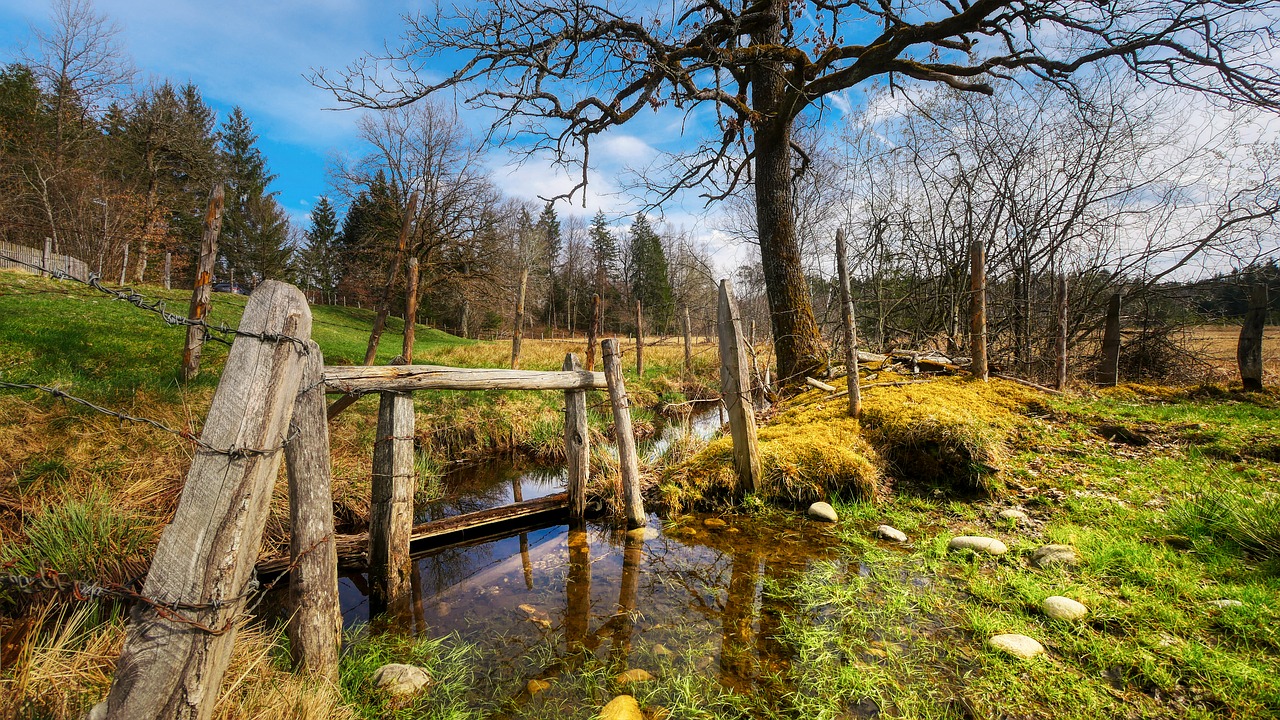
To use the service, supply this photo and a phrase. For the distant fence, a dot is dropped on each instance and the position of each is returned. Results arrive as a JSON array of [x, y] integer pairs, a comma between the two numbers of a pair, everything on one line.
[[74, 267]]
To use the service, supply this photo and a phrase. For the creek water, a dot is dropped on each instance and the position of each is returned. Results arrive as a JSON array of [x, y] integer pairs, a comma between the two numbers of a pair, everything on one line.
[[690, 589]]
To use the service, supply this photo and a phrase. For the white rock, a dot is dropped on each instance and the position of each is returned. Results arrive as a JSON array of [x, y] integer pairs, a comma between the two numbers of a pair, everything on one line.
[[1012, 514], [1063, 608], [644, 533], [976, 543], [1226, 603], [888, 532], [1055, 555], [399, 679], [1018, 645], [822, 511]]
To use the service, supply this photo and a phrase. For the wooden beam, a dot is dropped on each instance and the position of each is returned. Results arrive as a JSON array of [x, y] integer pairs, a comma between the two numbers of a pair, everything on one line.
[[577, 444], [406, 378], [625, 438]]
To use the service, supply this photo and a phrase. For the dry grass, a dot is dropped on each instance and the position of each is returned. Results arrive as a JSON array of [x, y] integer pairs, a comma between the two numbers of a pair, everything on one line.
[[1216, 345]]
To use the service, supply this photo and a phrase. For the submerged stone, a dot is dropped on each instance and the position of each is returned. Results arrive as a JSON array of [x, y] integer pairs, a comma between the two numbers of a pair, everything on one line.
[[977, 543], [536, 686], [623, 707], [1017, 645], [714, 523], [644, 533], [634, 675], [1051, 555], [888, 532], [823, 511], [399, 679], [1063, 608]]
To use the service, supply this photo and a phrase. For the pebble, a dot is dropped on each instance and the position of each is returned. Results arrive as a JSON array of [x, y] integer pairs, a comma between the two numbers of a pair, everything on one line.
[[1017, 645], [399, 679], [644, 533], [1012, 514], [536, 686], [529, 609], [634, 675], [823, 511], [888, 532], [1224, 603], [714, 523], [623, 707], [976, 543], [1063, 608], [1050, 555], [661, 650]]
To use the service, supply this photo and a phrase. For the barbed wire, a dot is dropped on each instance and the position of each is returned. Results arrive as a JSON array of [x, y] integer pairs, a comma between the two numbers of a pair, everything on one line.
[[84, 591], [217, 333]]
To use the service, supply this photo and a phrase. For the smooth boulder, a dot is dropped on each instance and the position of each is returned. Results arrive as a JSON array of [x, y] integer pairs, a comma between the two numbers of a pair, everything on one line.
[[977, 543], [888, 532], [1017, 645], [1063, 608], [1051, 555], [623, 707], [634, 675], [399, 679], [823, 511]]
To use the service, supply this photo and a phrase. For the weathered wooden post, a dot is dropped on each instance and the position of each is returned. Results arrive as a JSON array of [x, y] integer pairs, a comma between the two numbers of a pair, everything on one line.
[[46, 262], [735, 391], [688, 343], [124, 266], [391, 510], [628, 461], [639, 341], [206, 555], [592, 332], [978, 309], [1061, 381], [1109, 375], [168, 269], [410, 311], [577, 447], [315, 629], [202, 291], [384, 300], [850, 330], [1249, 349]]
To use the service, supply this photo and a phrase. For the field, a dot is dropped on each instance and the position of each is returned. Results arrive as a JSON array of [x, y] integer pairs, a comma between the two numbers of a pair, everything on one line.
[[1216, 346]]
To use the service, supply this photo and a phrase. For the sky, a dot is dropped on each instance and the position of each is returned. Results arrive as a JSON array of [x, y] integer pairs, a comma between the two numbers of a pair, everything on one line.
[[257, 54]]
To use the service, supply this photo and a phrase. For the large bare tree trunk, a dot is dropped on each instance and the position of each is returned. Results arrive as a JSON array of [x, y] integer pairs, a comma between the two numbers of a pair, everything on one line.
[[1249, 350], [797, 340]]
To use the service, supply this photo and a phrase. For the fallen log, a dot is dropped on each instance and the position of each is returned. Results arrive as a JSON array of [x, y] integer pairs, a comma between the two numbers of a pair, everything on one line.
[[819, 384]]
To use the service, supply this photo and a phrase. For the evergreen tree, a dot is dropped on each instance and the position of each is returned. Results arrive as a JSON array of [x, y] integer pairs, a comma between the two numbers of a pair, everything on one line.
[[368, 230], [548, 226], [649, 279], [321, 265], [249, 233], [604, 249]]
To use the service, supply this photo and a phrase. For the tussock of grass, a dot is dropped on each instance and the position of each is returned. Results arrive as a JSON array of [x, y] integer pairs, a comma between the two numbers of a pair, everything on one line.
[[87, 538], [1230, 515]]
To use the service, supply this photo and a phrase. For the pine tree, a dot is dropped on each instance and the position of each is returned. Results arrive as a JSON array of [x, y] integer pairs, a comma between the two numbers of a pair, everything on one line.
[[249, 233], [649, 273], [604, 249], [548, 227], [320, 259]]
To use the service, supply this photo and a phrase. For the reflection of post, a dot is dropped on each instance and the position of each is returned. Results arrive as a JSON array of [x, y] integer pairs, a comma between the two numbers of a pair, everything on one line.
[[624, 622], [577, 587], [739, 614], [517, 494]]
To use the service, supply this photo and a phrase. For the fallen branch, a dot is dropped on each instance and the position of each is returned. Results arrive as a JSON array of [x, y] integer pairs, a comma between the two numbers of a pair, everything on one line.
[[820, 385], [1029, 384]]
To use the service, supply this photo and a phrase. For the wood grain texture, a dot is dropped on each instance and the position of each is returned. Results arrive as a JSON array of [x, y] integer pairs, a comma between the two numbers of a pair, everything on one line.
[[577, 445], [391, 508], [202, 293], [406, 378], [624, 436], [207, 553], [735, 390], [315, 628]]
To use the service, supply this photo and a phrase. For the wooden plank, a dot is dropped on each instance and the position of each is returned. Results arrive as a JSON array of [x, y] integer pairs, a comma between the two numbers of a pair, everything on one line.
[[735, 391], [406, 378], [978, 309], [850, 329], [1249, 348], [171, 669], [202, 292], [391, 508], [577, 446], [624, 436], [315, 628]]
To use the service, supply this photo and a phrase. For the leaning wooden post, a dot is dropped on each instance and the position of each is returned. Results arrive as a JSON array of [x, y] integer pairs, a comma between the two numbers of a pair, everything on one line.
[[1110, 373], [202, 292], [623, 435], [577, 447], [978, 309], [850, 330], [169, 668], [1061, 382], [592, 332], [384, 300], [410, 311], [1249, 349], [315, 628], [688, 343], [391, 509], [639, 341], [735, 391]]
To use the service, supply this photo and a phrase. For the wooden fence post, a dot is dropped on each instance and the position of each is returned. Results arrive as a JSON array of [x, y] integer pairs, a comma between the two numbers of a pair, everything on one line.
[[203, 289], [168, 269], [384, 300], [206, 555], [517, 331], [1061, 382], [1249, 349], [850, 330], [1110, 373], [315, 629], [46, 262], [391, 509], [623, 435], [577, 448], [410, 311], [688, 343], [735, 390], [124, 266], [639, 341], [978, 309], [593, 332]]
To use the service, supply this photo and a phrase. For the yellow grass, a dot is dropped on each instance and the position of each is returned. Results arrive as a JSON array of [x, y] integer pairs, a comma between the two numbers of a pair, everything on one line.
[[1216, 345]]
